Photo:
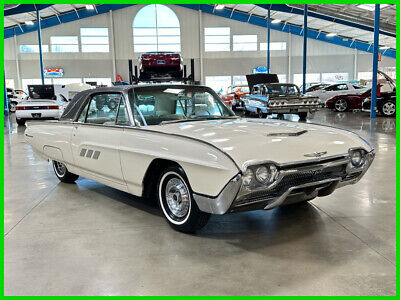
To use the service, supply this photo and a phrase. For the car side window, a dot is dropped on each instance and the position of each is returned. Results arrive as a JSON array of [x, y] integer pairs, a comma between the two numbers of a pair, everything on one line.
[[82, 116], [103, 109], [342, 87], [123, 118]]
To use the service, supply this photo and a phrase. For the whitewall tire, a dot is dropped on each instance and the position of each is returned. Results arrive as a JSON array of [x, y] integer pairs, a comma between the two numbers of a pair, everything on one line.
[[62, 173], [176, 201]]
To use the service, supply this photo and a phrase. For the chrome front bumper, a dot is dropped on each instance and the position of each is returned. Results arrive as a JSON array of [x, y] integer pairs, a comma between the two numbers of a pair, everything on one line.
[[294, 184]]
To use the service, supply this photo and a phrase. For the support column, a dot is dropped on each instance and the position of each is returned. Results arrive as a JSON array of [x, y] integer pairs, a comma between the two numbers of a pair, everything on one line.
[[289, 55], [40, 44], [355, 64], [305, 48], [375, 62], [5, 97], [113, 54], [18, 85], [201, 46], [269, 40]]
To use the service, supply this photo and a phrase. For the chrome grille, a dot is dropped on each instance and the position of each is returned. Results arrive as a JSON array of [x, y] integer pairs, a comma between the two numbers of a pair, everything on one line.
[[298, 178]]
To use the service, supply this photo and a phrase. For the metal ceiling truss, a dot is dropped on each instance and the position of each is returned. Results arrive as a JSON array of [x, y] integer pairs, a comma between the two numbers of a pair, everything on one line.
[[207, 8]]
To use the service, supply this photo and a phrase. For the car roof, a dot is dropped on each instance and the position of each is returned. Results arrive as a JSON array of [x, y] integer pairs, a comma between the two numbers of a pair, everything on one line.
[[78, 102]]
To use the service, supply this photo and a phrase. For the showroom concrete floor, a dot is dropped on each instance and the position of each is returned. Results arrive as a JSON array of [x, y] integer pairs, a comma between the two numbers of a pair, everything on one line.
[[89, 239]]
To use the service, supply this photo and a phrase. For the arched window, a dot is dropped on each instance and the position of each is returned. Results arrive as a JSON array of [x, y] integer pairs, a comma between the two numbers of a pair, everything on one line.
[[156, 28]]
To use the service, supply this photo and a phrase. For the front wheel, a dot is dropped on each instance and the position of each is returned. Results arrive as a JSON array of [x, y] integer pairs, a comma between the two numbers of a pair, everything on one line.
[[388, 109], [62, 172], [176, 201]]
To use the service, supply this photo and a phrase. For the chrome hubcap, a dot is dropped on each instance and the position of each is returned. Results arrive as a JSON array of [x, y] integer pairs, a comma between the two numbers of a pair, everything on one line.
[[341, 105], [177, 196], [389, 108], [60, 168]]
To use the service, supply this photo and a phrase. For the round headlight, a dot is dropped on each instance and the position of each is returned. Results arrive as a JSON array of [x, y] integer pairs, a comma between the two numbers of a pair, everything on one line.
[[357, 158], [247, 177], [263, 174]]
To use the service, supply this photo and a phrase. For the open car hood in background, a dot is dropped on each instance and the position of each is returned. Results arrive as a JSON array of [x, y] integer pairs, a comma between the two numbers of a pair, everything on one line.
[[253, 79]]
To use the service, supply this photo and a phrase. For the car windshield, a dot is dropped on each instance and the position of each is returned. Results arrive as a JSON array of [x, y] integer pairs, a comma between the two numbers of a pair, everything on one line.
[[164, 104], [283, 89]]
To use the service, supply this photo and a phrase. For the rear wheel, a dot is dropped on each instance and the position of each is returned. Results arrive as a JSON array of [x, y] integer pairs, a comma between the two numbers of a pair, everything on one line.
[[62, 172], [176, 201], [341, 105], [388, 108], [260, 113], [21, 122]]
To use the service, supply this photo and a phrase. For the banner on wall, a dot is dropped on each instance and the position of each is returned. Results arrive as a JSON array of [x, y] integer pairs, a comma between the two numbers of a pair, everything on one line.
[[260, 69], [53, 72]]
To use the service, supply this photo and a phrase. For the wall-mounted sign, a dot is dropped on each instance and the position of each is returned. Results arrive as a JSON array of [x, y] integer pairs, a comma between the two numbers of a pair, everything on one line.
[[53, 72], [260, 69]]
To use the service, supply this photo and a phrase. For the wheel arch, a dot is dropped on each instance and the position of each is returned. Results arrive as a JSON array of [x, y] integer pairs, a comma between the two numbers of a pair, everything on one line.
[[152, 173]]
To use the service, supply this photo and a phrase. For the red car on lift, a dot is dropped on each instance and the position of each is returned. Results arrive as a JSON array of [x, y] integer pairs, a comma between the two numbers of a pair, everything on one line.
[[159, 64], [343, 103]]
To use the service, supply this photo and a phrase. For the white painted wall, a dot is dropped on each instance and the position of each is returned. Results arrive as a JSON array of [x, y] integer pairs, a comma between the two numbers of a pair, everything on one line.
[[322, 57]]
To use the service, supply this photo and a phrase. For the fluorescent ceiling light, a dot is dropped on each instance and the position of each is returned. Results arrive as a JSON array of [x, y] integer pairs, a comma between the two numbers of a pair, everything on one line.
[[275, 21], [29, 22], [220, 6], [89, 6], [370, 7], [331, 34]]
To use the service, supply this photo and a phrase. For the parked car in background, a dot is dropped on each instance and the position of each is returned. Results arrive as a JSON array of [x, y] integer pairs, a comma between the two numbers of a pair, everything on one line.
[[279, 98], [337, 89], [386, 97], [42, 104], [316, 87], [232, 97], [14, 97], [385, 104], [343, 103], [192, 154], [160, 64]]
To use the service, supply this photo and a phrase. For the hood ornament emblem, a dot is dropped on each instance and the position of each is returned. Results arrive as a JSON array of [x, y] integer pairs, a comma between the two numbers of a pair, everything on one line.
[[316, 154]]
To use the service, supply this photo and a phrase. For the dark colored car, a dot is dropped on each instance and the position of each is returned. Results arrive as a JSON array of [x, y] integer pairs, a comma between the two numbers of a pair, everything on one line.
[[342, 103], [385, 104], [160, 64]]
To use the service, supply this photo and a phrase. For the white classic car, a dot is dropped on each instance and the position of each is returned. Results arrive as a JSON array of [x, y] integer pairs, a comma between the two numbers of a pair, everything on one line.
[[333, 90], [182, 145]]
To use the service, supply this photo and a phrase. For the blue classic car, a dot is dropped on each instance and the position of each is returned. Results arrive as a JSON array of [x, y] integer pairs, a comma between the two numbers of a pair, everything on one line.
[[279, 98]]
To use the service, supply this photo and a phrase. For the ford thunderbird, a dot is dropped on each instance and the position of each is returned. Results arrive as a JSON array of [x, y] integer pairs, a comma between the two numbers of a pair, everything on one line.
[[181, 145]]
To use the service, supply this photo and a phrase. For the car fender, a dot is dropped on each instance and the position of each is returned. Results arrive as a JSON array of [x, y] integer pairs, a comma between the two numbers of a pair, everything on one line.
[[207, 168]]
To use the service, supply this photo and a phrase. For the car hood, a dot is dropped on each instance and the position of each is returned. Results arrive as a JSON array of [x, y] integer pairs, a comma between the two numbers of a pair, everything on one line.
[[250, 141]]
